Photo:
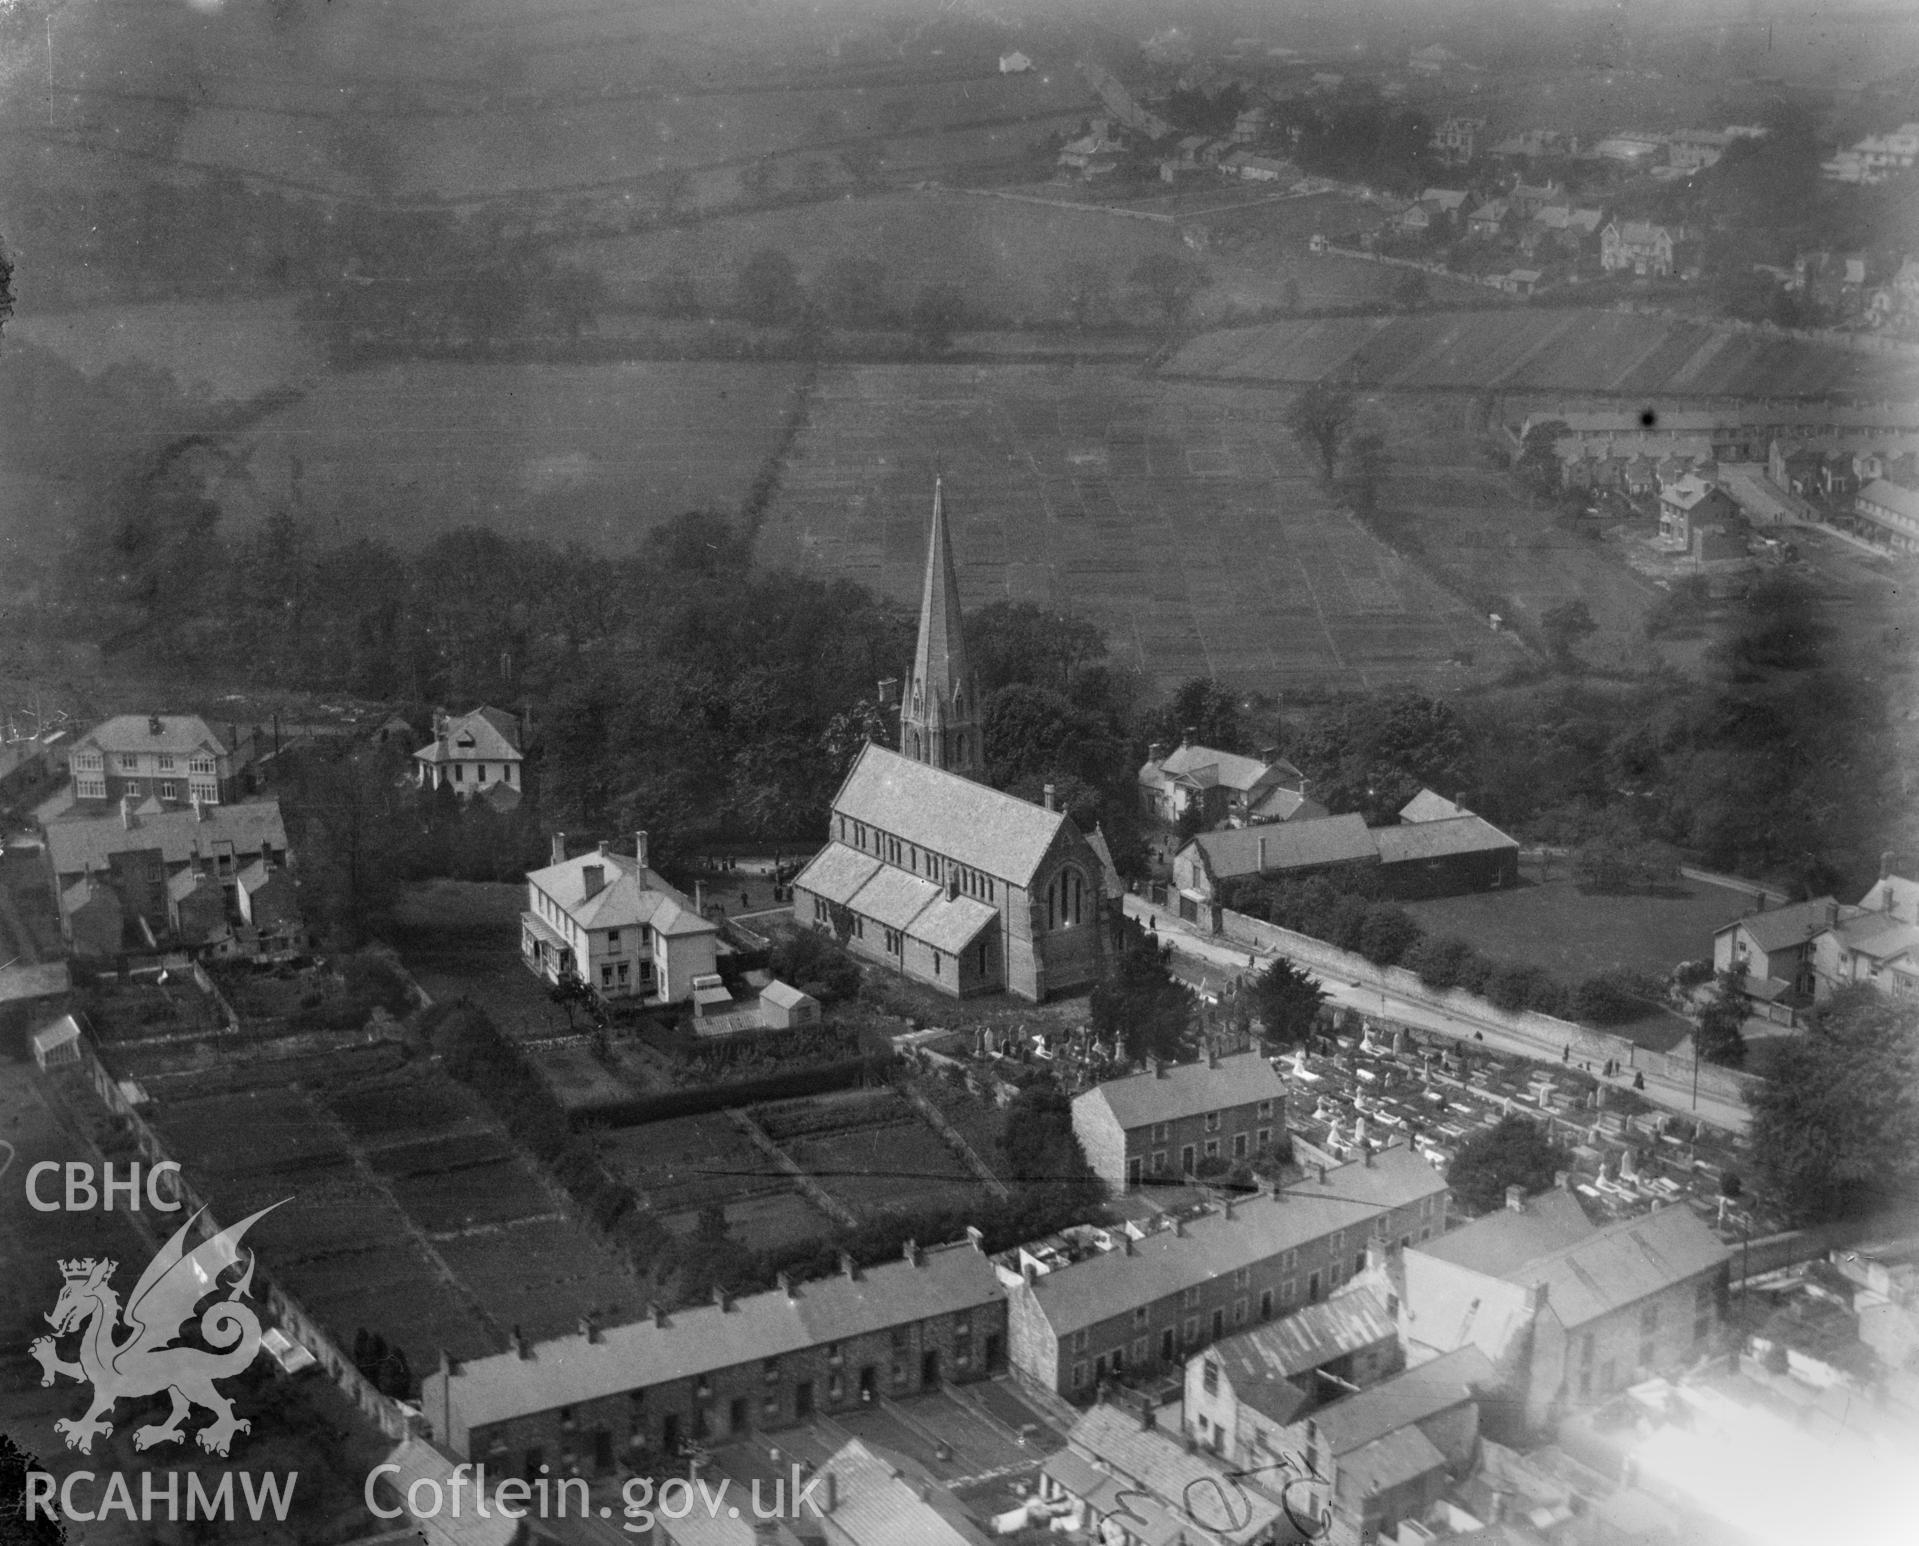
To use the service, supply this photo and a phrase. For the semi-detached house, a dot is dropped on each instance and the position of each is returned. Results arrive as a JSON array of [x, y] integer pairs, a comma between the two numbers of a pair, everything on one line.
[[172, 757], [1159, 1125]]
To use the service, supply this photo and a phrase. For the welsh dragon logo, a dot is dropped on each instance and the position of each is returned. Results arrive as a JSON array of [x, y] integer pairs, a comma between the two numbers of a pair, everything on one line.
[[148, 1360]]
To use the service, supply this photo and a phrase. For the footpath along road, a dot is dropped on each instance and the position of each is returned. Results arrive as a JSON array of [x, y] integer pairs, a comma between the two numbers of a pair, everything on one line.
[[1423, 1015]]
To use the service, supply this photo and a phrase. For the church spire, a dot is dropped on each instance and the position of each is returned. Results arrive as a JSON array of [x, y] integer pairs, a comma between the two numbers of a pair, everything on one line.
[[939, 717]]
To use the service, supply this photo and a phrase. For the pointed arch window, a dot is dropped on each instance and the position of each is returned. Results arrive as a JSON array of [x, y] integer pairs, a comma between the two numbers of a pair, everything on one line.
[[1066, 899]]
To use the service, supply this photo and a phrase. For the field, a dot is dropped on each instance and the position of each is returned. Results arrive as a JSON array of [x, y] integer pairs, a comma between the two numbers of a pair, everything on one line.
[[406, 1211], [1008, 253], [1552, 923], [216, 349], [1538, 349], [689, 1161], [596, 454], [901, 1165], [1179, 517]]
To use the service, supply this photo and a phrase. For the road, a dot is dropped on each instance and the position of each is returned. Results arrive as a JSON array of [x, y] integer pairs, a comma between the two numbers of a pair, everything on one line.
[[1211, 961]]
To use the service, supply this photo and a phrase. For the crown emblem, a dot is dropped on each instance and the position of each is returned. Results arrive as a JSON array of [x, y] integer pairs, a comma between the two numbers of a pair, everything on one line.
[[81, 1268]]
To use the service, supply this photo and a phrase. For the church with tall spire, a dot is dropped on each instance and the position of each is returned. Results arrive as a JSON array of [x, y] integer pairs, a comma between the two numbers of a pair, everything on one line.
[[929, 872], [939, 707]]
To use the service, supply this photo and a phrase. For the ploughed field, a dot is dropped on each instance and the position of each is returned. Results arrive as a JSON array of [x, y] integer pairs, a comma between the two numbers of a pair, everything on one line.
[[1182, 518], [1540, 349]]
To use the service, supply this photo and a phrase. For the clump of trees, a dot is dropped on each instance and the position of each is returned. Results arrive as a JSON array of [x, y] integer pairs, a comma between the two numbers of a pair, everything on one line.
[[1514, 1151], [1835, 1122], [1140, 1006]]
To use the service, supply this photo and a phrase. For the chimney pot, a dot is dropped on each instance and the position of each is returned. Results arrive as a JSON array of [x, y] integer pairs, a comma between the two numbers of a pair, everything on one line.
[[1515, 1199], [722, 1298], [1190, 736], [449, 1365], [521, 1347], [975, 1237], [912, 1253], [639, 847], [558, 856], [848, 1267], [1051, 796], [605, 848], [658, 1311], [1320, 1171], [589, 1328], [1156, 752]]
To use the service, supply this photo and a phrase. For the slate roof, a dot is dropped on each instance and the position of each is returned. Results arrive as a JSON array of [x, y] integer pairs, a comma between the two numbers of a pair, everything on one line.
[[1781, 928], [1436, 839], [1160, 1463], [1355, 1421], [1393, 1458], [952, 923], [1205, 767], [837, 872], [1901, 501], [1902, 894], [74, 846], [1447, 1305], [895, 897], [999, 834], [1623, 1263], [496, 738], [1503, 1241], [1428, 806], [1878, 935], [783, 995], [179, 734], [878, 1503], [1187, 1090], [1164, 1263], [630, 894], [1287, 846], [568, 1370], [1283, 804], [1263, 1362]]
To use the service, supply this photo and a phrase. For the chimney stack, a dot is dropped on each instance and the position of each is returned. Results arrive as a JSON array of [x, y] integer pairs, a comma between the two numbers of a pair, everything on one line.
[[589, 1328], [848, 1267], [1515, 1199], [722, 1298], [1212, 1056], [558, 855], [975, 1237], [1320, 1171], [1228, 1210], [639, 847], [605, 848], [1563, 1180], [1190, 737], [521, 1347], [1156, 752], [449, 1365], [1179, 1225], [913, 1255], [1159, 1069], [784, 1282], [593, 877], [1261, 842], [658, 1311], [1051, 797]]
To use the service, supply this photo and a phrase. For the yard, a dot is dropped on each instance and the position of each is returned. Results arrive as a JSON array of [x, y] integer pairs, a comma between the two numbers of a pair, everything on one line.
[[1181, 518], [1549, 921]]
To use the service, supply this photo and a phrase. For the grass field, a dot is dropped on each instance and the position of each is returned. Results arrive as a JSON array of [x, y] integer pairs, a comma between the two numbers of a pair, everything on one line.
[[902, 1165], [1181, 518], [1552, 923], [1537, 348], [595, 454], [218, 349], [1007, 251]]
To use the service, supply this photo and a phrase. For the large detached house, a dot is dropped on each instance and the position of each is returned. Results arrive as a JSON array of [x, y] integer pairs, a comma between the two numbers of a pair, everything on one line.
[[621, 928], [173, 757], [1159, 1125], [1637, 246], [476, 753], [1222, 788]]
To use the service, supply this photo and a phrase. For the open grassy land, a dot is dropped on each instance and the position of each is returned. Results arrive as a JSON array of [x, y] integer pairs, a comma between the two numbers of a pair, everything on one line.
[[1462, 519], [1008, 251], [216, 349], [1550, 921], [1537, 348], [585, 453], [1180, 518]]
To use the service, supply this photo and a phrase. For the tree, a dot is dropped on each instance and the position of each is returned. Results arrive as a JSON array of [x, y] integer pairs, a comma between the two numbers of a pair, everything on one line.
[[1206, 711], [1538, 464], [1717, 1038], [1171, 282], [1564, 626], [938, 310], [1779, 628], [1037, 1137], [768, 289], [1614, 998], [1439, 961], [1387, 933], [1835, 1123], [570, 992], [853, 291], [1372, 754], [1016, 641], [1365, 465], [1141, 1006], [1319, 419], [1512, 1152], [1287, 999]]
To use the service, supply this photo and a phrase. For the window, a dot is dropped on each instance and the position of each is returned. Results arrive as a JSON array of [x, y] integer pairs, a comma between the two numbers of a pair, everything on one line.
[[1192, 1297], [936, 963], [770, 1370], [1264, 1110], [1162, 1131], [1219, 1324], [1239, 1312], [1159, 1162], [1209, 1377], [479, 774], [1167, 1350], [1066, 899], [1079, 1341], [129, 762], [1192, 1329], [1139, 1315], [196, 765], [1213, 1120], [895, 941], [1079, 1375], [613, 945], [606, 976], [1212, 1148], [1239, 1146], [1186, 1159], [459, 772], [1264, 1137], [166, 764], [169, 790], [1265, 1304], [1243, 1278], [1139, 1350]]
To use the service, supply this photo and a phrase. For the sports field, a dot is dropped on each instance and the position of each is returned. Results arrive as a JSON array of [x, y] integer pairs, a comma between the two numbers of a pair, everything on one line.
[[1181, 518], [1532, 348]]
